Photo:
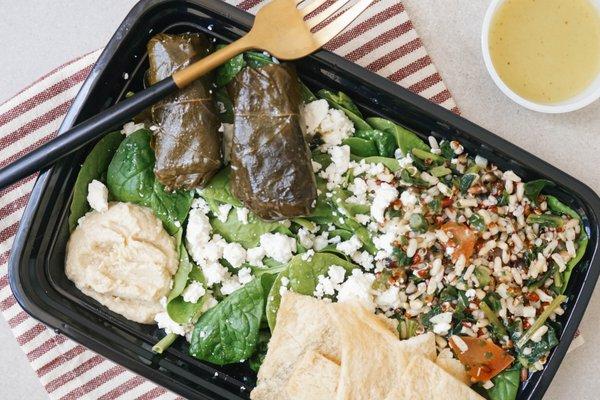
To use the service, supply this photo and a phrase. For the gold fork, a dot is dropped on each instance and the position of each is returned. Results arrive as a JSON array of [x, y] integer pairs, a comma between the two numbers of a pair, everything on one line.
[[279, 28]]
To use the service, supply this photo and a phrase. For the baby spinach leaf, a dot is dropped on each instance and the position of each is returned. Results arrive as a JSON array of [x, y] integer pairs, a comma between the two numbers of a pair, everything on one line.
[[171, 207], [179, 310], [322, 158], [303, 277], [183, 269], [261, 350], [362, 233], [183, 312], [506, 384], [333, 250], [354, 209], [304, 223], [94, 167], [384, 141], [338, 200], [361, 147], [228, 71], [306, 94], [256, 59], [342, 233], [582, 243], [130, 178], [229, 332], [248, 235], [534, 188], [218, 189], [405, 139], [130, 175], [341, 99], [342, 102], [560, 208]]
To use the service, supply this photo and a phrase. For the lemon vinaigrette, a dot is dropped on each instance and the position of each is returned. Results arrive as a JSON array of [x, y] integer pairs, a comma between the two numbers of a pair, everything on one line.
[[546, 51]]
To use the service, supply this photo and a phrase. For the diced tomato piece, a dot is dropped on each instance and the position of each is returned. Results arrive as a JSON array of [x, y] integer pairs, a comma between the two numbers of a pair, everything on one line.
[[533, 297], [482, 358], [447, 202], [464, 237], [417, 259]]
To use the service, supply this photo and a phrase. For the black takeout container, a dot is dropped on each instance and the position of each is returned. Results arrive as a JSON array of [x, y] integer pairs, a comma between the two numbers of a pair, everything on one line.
[[36, 265]]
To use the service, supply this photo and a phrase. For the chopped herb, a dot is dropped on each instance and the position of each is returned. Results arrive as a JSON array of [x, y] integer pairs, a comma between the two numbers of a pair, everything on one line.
[[477, 222], [418, 223], [466, 181]]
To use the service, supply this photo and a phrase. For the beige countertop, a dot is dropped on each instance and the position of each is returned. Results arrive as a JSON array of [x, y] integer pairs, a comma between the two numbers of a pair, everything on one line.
[[450, 30]]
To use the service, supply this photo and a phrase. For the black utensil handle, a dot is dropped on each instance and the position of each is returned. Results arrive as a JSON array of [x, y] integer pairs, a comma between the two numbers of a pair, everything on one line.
[[82, 134]]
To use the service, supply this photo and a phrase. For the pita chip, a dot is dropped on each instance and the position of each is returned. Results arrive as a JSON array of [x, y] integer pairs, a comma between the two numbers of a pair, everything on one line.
[[314, 378], [371, 360], [303, 325], [423, 344], [425, 380], [454, 368]]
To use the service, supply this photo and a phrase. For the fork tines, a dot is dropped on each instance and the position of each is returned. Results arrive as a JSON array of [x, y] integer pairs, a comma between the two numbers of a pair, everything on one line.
[[333, 23]]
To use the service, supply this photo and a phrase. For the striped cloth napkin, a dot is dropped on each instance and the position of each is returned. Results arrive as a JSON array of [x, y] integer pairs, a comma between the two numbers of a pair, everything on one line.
[[382, 40]]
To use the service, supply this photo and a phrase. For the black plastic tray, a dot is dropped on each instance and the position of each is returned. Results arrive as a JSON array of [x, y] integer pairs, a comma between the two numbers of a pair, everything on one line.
[[36, 265]]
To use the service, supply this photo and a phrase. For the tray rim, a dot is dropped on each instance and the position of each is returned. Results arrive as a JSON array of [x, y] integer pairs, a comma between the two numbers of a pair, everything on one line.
[[586, 194]]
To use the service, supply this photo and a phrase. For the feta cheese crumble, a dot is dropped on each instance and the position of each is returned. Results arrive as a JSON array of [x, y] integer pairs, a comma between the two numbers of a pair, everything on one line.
[[193, 292], [224, 212], [234, 254], [97, 196], [132, 127], [278, 246], [384, 195], [242, 214], [332, 124], [358, 287]]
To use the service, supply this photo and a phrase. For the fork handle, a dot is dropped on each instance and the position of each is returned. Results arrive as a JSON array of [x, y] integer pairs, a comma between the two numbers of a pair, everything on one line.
[[84, 133], [201, 67]]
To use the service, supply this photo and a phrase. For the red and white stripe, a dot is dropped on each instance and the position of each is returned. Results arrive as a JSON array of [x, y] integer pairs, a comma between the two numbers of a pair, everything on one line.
[[382, 40]]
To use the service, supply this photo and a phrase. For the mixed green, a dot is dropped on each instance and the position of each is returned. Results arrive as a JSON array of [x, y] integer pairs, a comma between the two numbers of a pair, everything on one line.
[[416, 230]]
